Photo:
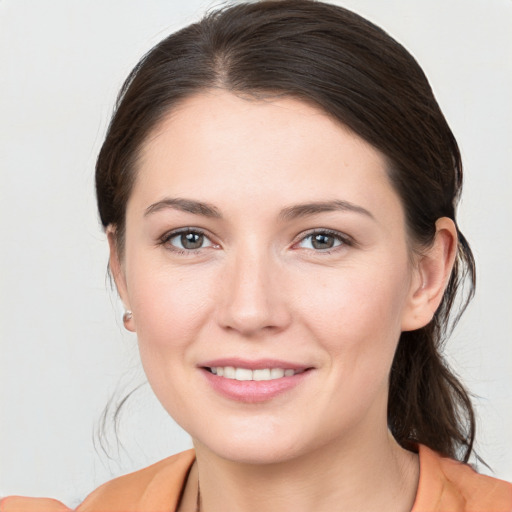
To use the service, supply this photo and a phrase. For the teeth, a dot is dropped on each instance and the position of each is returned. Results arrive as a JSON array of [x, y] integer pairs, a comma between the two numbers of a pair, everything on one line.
[[229, 372], [276, 373], [243, 374], [261, 374]]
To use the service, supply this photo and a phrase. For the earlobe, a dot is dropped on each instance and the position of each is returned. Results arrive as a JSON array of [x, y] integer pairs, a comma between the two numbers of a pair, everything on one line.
[[431, 276], [116, 270]]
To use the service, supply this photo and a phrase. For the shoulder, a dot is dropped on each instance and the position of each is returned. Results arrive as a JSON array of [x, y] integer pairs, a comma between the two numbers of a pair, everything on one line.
[[157, 487], [21, 504], [447, 485]]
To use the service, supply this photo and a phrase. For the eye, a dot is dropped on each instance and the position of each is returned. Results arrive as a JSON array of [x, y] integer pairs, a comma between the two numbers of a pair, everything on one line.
[[323, 240], [187, 240]]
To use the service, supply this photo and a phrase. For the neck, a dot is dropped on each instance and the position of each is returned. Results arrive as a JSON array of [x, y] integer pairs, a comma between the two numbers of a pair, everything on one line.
[[374, 476]]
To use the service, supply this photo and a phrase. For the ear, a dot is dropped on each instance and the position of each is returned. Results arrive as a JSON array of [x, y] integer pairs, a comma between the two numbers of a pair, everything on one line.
[[430, 276], [117, 272]]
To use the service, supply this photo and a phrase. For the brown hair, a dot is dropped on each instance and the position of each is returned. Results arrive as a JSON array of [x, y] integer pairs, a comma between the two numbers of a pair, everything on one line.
[[354, 71]]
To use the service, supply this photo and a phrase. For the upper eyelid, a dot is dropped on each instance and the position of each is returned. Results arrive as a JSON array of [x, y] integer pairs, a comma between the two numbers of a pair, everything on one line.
[[175, 232], [332, 232]]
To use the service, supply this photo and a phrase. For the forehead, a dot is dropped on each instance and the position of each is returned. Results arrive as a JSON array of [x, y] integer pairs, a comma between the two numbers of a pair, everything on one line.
[[218, 146]]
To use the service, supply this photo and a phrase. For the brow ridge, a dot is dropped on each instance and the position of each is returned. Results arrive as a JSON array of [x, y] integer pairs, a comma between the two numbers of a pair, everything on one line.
[[185, 205], [286, 214], [313, 208]]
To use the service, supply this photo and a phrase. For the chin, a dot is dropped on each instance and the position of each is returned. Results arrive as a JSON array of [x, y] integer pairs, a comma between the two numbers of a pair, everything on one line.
[[258, 446], [255, 453]]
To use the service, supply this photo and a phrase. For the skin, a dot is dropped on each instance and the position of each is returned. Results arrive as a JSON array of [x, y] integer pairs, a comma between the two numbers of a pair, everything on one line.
[[258, 288]]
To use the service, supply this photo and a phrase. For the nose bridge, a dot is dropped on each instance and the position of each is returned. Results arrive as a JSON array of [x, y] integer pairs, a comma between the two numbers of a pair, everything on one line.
[[253, 297]]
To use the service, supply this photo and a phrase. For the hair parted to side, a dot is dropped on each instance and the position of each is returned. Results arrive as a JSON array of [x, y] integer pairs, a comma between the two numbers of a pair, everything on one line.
[[332, 58]]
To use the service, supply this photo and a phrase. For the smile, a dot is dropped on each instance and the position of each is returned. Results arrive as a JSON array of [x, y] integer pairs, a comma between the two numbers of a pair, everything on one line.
[[254, 381], [231, 372]]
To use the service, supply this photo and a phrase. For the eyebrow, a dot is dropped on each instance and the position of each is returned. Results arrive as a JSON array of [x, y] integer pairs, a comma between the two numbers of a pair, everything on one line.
[[288, 213], [185, 205], [306, 209]]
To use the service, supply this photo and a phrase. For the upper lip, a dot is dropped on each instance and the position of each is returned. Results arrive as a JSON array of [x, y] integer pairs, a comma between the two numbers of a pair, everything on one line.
[[253, 364]]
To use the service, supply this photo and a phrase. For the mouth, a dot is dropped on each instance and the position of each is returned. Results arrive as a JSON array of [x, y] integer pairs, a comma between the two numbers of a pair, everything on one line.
[[245, 374], [253, 381]]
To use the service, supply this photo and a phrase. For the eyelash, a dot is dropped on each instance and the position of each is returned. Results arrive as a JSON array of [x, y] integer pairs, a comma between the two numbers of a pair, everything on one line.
[[165, 240], [345, 240]]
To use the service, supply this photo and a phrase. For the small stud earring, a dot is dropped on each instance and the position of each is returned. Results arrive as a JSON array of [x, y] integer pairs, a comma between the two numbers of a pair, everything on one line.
[[128, 315]]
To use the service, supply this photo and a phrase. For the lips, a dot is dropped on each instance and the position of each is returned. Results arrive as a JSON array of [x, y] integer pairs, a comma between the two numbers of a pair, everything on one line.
[[253, 381], [230, 372]]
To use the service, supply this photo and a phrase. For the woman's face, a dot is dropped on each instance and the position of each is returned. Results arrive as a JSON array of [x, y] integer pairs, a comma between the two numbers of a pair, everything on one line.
[[267, 267]]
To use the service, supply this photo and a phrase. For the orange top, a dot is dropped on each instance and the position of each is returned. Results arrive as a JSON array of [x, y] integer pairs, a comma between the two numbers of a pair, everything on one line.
[[445, 486]]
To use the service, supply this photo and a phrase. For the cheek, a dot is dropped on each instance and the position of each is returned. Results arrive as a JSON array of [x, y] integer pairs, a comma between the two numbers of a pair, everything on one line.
[[355, 317], [170, 310], [355, 314], [355, 300], [170, 306]]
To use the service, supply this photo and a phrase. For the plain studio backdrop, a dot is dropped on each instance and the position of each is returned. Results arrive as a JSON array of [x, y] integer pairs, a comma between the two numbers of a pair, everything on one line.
[[64, 351]]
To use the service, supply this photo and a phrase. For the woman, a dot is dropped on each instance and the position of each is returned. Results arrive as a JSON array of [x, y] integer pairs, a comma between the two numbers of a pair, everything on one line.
[[278, 187]]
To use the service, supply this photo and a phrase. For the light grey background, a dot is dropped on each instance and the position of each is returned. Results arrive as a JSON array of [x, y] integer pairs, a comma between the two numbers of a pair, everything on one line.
[[63, 351]]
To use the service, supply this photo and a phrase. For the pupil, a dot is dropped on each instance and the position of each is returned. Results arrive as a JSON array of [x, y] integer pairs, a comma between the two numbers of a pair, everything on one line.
[[322, 241], [192, 240]]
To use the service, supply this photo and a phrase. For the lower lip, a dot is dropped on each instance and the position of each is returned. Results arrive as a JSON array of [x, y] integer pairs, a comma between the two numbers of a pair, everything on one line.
[[253, 391]]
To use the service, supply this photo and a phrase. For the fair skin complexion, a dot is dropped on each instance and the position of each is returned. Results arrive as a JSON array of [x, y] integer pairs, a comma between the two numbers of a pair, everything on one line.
[[243, 270]]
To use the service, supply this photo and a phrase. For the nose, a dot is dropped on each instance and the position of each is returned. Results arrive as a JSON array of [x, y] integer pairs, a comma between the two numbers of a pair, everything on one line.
[[254, 300]]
